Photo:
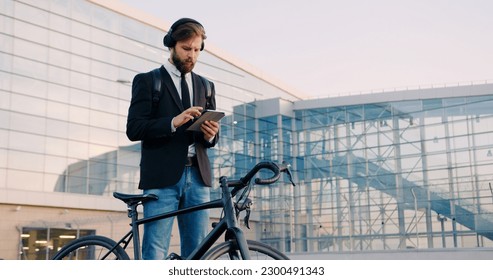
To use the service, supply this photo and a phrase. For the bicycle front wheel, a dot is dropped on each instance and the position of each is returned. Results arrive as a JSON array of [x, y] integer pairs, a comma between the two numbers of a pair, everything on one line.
[[92, 247], [258, 251]]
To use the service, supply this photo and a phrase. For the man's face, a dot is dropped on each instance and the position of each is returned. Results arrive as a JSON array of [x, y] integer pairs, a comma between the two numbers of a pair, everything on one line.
[[185, 53]]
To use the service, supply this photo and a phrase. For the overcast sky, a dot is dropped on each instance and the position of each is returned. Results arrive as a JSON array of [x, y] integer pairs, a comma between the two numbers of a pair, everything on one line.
[[330, 48]]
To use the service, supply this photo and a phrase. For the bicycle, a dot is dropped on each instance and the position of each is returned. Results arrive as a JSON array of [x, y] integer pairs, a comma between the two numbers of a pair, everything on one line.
[[235, 246]]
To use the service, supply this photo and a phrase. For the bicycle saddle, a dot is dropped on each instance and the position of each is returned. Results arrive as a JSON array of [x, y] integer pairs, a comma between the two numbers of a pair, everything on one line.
[[132, 199]]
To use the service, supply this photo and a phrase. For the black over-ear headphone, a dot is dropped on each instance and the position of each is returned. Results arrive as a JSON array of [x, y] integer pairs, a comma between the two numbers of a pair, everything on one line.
[[168, 40]]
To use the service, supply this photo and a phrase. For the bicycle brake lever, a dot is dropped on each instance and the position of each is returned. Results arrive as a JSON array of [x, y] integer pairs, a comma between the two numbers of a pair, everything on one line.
[[246, 206], [290, 177], [286, 169], [246, 220]]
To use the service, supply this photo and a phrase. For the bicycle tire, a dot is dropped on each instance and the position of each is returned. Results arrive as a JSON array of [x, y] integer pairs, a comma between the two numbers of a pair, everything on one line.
[[92, 247], [258, 251]]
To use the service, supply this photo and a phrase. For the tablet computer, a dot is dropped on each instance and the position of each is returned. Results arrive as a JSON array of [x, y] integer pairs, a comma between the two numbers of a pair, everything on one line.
[[207, 115]]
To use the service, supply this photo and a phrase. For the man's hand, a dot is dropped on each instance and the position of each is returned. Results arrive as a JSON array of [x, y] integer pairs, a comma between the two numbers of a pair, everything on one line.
[[210, 129], [186, 116]]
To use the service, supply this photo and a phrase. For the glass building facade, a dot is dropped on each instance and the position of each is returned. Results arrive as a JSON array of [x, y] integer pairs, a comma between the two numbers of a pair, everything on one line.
[[411, 171], [387, 171]]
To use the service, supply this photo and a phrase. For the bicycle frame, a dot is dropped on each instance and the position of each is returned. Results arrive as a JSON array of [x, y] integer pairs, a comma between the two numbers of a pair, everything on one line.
[[228, 224]]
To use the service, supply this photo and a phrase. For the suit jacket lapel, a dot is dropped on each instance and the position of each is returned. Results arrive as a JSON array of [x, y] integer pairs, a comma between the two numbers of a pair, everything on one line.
[[171, 88]]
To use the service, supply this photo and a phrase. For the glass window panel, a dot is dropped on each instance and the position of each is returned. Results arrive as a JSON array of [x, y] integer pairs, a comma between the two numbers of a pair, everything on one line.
[[3, 157], [5, 119], [28, 86], [50, 182], [61, 7], [124, 141], [106, 20], [101, 170], [26, 161], [78, 132], [30, 50], [24, 180], [7, 7], [405, 108], [103, 136], [79, 47], [102, 32], [3, 176], [80, 81], [484, 155], [59, 51], [433, 107], [56, 110], [82, 64], [78, 150], [5, 77], [79, 115], [454, 106], [56, 146], [132, 29], [59, 23], [80, 98], [27, 123], [59, 75], [81, 11], [76, 184], [26, 142], [55, 164], [58, 93], [33, 6], [98, 187], [354, 113], [484, 124], [107, 88], [483, 139], [377, 111], [459, 124], [133, 62], [479, 105], [129, 155], [101, 151], [30, 32], [460, 142], [122, 108], [102, 71], [104, 103], [4, 100], [104, 120], [56, 128]]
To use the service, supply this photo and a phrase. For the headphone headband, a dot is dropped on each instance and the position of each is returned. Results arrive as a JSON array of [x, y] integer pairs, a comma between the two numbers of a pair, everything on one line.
[[168, 40]]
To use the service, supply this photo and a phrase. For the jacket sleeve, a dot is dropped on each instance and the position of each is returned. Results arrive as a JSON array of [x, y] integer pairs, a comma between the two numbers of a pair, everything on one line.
[[141, 125]]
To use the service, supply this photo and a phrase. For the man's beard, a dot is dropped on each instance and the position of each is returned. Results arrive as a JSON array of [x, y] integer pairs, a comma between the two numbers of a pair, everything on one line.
[[180, 65]]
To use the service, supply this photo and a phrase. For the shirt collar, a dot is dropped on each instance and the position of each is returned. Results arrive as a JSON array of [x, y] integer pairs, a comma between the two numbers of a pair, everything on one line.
[[171, 68]]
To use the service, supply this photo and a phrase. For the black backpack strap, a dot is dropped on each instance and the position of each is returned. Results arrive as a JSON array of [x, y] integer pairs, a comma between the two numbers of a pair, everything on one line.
[[156, 92]]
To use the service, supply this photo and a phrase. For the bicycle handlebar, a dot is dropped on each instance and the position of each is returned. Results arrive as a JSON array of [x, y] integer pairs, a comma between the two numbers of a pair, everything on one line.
[[262, 181], [275, 168]]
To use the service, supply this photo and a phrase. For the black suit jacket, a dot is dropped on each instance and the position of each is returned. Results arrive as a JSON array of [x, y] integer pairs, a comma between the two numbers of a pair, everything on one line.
[[164, 154]]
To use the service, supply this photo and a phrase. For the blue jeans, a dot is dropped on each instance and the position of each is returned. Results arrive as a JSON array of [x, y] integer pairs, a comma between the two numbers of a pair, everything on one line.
[[189, 191]]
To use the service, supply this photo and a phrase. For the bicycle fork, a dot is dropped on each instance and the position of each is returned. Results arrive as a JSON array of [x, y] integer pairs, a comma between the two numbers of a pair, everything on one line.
[[234, 232]]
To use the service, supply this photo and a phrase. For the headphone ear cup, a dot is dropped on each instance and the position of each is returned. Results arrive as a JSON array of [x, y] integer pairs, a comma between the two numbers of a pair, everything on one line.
[[168, 41]]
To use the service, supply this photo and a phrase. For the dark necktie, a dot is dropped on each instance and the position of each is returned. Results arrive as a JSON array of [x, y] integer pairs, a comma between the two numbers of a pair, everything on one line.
[[185, 93], [185, 100]]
